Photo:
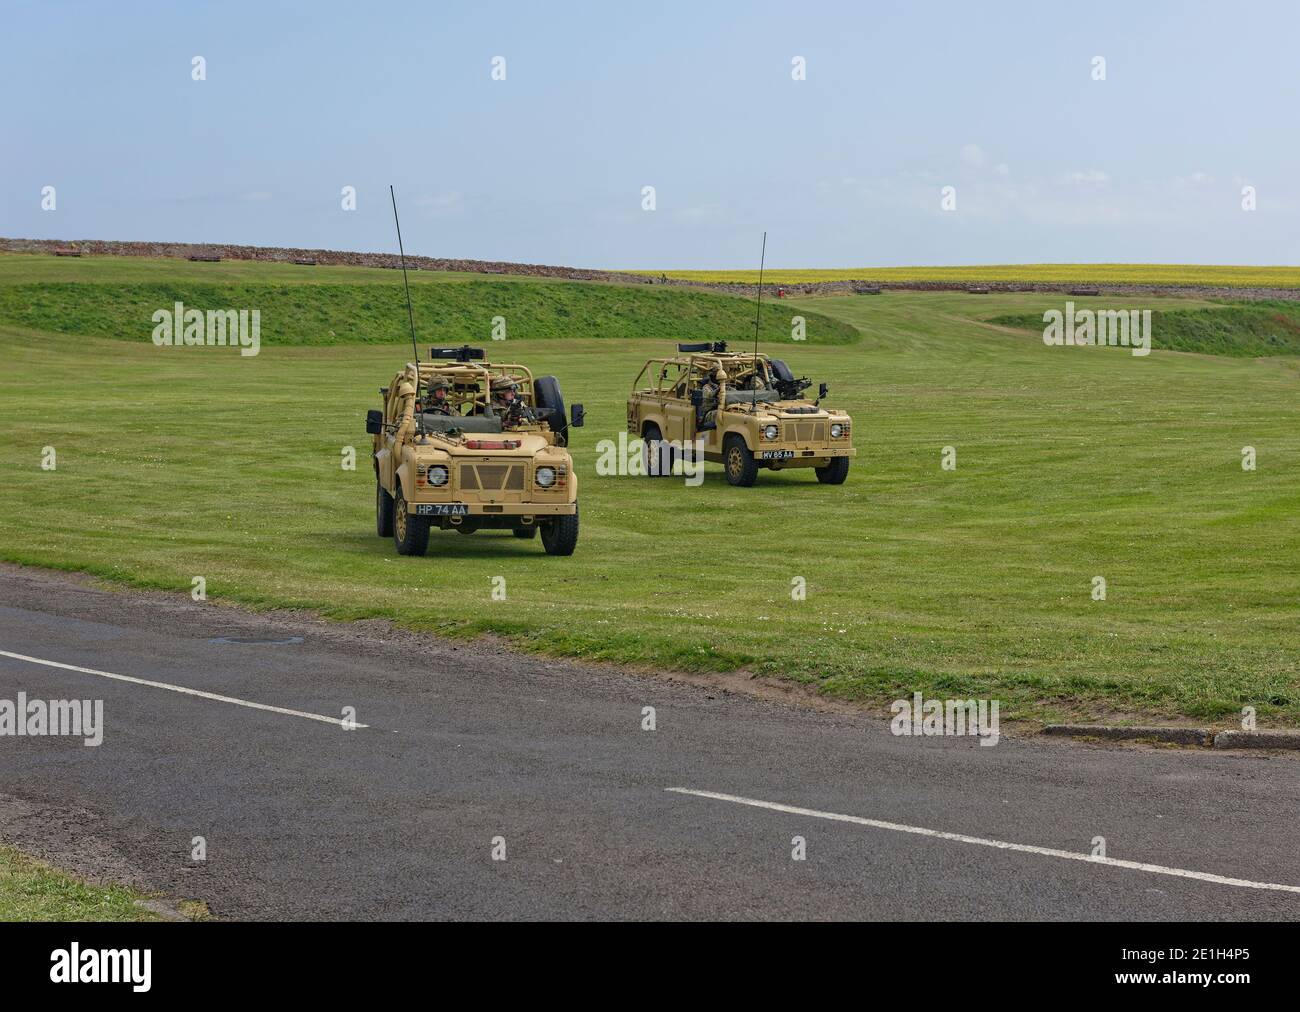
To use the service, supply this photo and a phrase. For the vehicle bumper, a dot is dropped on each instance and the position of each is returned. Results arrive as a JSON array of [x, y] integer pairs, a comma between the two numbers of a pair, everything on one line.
[[791, 456], [478, 509]]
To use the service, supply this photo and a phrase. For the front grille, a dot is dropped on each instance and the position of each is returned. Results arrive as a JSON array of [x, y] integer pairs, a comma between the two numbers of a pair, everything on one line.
[[804, 432], [492, 477]]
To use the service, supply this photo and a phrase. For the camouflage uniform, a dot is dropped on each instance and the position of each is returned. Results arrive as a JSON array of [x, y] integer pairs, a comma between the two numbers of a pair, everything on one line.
[[707, 411], [434, 403], [506, 403]]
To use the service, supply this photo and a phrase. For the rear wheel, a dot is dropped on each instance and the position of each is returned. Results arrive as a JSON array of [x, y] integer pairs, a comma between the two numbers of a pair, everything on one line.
[[835, 472], [410, 534], [560, 535], [738, 462], [383, 511], [657, 455]]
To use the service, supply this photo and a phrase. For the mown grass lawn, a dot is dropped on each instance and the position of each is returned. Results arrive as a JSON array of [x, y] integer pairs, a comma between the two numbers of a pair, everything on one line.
[[33, 891], [1072, 463]]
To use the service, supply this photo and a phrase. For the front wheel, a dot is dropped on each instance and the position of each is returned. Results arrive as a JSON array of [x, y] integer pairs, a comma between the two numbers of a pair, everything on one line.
[[410, 534], [739, 462], [835, 472], [560, 536]]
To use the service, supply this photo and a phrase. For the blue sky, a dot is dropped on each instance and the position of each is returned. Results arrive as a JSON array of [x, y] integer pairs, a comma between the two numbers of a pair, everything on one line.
[[599, 100]]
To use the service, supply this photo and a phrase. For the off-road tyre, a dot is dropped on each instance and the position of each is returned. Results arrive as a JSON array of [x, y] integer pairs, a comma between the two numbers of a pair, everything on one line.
[[651, 448], [410, 533], [560, 535], [835, 472], [738, 462]]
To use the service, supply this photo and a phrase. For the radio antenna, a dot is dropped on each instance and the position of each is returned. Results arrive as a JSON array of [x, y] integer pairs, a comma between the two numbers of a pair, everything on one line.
[[410, 316], [762, 259]]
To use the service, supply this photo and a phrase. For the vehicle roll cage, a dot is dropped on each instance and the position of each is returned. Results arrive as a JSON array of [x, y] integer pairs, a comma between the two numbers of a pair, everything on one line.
[[471, 382], [701, 365]]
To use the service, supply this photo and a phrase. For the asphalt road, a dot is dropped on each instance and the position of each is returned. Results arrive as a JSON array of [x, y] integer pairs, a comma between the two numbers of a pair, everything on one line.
[[304, 818]]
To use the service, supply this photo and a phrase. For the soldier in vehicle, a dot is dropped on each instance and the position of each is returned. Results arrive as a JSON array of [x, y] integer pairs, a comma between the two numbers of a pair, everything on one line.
[[707, 410], [506, 403], [752, 379], [437, 402]]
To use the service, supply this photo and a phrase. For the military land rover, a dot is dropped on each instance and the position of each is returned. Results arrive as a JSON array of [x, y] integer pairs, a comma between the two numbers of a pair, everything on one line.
[[467, 445], [746, 409]]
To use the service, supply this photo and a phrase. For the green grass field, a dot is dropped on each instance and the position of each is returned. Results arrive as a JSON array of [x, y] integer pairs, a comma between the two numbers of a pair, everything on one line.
[[1071, 463], [1115, 274]]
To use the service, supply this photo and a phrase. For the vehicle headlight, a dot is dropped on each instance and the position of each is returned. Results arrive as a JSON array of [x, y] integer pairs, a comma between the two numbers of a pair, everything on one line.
[[771, 432], [437, 475], [546, 476], [837, 431]]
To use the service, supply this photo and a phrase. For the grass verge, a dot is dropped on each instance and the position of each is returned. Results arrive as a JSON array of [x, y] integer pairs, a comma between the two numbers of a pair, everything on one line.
[[31, 890]]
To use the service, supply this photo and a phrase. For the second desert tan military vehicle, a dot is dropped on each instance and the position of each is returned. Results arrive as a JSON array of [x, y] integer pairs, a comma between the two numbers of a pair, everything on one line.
[[746, 409], [463, 444]]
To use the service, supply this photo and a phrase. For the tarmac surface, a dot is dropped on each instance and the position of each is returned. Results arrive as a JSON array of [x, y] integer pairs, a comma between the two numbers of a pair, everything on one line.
[[230, 726]]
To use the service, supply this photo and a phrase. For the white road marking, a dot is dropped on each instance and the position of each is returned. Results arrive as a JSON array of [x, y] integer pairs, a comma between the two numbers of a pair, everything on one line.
[[182, 689], [1024, 848]]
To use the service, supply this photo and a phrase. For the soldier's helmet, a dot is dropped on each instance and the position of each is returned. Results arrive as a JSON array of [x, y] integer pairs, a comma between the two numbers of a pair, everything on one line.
[[439, 383], [503, 385]]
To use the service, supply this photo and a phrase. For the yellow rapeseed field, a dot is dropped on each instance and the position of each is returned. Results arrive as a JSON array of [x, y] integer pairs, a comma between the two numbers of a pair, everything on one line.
[[1138, 274]]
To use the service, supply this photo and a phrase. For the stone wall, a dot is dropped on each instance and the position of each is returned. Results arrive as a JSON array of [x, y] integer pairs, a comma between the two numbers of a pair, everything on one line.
[[278, 254]]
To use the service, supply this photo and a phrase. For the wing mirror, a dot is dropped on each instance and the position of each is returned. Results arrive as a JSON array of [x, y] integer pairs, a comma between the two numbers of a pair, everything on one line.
[[576, 415], [374, 422], [822, 391]]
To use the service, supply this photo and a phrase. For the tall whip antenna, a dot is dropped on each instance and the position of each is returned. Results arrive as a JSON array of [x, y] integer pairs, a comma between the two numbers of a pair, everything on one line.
[[758, 313], [410, 316]]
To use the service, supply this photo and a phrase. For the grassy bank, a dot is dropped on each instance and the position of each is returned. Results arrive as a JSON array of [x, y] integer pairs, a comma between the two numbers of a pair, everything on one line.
[[117, 297], [1249, 330]]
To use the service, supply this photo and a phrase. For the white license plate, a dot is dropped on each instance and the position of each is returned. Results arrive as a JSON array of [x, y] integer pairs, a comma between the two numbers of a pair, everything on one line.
[[442, 509]]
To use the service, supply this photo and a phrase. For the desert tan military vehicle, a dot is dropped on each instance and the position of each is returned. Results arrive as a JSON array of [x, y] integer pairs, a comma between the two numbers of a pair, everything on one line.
[[747, 409], [467, 445]]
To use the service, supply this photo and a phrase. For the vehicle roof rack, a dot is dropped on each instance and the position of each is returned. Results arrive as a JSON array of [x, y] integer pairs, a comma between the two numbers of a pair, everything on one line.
[[462, 354]]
